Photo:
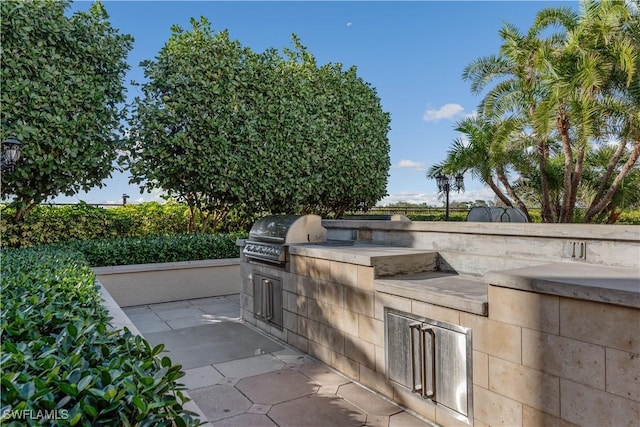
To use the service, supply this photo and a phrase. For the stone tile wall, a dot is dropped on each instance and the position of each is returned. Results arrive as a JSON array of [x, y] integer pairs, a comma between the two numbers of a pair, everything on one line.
[[548, 360], [538, 360]]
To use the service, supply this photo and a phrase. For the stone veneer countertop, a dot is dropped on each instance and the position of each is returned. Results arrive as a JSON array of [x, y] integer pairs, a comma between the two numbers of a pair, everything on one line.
[[360, 254], [459, 292], [591, 282], [408, 273], [613, 285]]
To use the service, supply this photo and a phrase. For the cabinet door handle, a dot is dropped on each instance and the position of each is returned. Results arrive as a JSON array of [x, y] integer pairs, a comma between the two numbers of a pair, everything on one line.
[[268, 290], [415, 387], [425, 393]]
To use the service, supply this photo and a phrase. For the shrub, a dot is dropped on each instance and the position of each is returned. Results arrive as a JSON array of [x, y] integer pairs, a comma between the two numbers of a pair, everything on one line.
[[630, 217], [438, 216], [60, 356], [46, 224], [185, 247], [55, 224], [155, 219]]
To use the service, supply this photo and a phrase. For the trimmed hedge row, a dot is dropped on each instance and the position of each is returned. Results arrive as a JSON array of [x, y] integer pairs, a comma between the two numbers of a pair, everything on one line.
[[58, 224], [61, 362], [185, 247], [438, 216]]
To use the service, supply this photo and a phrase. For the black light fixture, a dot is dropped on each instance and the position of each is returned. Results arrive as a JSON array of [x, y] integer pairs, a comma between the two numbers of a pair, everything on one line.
[[124, 198], [442, 180], [444, 186], [10, 153]]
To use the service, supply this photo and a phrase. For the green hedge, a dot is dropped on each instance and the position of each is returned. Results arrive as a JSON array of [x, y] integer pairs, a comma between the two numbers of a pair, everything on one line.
[[56, 224], [185, 247], [61, 362], [438, 216]]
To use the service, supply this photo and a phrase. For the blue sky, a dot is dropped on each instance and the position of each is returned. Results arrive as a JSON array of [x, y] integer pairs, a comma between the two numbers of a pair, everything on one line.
[[413, 53]]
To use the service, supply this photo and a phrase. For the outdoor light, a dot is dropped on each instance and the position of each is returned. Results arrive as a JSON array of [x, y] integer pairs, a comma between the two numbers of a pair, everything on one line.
[[444, 186], [10, 153], [442, 181], [459, 182]]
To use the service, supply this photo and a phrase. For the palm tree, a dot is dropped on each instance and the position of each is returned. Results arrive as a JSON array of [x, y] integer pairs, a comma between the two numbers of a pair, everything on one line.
[[588, 75], [517, 92], [481, 152], [577, 86]]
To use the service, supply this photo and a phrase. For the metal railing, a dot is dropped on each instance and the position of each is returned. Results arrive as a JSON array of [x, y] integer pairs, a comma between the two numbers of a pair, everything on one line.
[[406, 210]]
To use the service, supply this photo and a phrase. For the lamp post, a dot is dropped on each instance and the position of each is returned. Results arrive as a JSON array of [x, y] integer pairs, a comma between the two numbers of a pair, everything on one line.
[[444, 185], [10, 153]]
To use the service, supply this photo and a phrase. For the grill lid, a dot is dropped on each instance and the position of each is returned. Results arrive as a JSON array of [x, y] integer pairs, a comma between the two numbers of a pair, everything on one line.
[[287, 229]]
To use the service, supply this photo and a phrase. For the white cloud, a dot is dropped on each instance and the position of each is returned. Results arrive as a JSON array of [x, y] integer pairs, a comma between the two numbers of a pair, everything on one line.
[[349, 24], [447, 111], [156, 195], [410, 164]]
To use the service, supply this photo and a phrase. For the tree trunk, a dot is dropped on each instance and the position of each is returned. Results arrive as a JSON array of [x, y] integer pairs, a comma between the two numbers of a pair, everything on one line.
[[562, 125], [503, 179], [498, 192], [610, 169], [192, 216], [575, 181], [599, 205], [21, 212], [543, 155]]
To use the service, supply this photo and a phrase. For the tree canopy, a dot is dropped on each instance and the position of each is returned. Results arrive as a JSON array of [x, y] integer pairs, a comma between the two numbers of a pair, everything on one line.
[[62, 94], [554, 98], [220, 126]]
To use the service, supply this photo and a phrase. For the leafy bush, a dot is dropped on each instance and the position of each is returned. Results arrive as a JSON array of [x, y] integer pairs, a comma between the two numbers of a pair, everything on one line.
[[629, 217], [155, 219], [185, 247], [46, 224], [438, 216], [62, 363], [54, 224]]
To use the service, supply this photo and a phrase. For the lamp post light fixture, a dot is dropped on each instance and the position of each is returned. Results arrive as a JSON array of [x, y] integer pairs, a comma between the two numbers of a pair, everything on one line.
[[10, 153], [444, 186]]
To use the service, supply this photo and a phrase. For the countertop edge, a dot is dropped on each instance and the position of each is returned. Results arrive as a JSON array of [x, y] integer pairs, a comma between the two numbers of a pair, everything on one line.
[[400, 288], [354, 254], [514, 279]]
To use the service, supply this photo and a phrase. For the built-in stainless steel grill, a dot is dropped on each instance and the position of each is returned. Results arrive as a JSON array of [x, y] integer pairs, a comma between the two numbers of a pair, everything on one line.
[[270, 237]]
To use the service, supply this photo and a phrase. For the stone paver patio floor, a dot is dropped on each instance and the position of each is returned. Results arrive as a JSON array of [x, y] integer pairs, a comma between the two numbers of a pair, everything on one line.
[[238, 376]]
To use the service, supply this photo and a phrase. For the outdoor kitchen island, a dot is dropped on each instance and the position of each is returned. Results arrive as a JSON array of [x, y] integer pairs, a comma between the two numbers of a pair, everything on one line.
[[539, 344]]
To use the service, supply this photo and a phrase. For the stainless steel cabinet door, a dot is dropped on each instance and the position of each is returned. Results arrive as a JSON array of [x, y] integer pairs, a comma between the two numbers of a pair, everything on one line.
[[431, 358], [267, 299], [399, 351], [451, 360]]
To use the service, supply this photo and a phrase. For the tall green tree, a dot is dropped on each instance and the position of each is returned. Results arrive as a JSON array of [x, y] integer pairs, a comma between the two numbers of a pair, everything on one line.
[[220, 126], [591, 76], [488, 154], [570, 89], [62, 94], [517, 91], [187, 131]]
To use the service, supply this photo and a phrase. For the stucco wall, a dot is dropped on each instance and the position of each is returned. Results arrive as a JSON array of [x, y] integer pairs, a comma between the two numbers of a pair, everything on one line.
[[131, 285]]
